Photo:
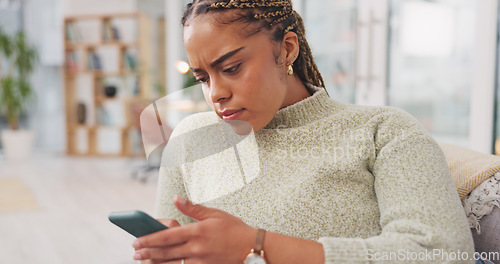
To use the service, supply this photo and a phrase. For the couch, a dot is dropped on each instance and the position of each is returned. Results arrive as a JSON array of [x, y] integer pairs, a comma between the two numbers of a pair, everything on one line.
[[477, 178]]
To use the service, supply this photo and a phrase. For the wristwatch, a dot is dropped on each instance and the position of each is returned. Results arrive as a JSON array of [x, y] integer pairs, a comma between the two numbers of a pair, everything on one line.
[[256, 255]]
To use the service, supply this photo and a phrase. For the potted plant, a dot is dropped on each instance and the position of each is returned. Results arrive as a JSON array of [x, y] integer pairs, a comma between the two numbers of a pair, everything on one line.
[[17, 61]]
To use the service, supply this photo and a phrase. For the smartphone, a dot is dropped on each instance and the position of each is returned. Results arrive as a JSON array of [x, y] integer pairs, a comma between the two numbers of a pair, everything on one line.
[[136, 222]]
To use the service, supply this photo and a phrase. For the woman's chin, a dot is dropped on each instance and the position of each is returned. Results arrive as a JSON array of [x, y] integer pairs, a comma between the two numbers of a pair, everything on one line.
[[240, 127]]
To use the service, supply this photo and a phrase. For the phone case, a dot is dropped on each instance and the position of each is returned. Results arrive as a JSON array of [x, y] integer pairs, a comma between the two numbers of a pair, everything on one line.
[[135, 222]]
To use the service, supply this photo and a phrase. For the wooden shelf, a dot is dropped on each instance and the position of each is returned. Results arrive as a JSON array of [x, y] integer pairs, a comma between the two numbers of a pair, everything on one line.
[[87, 58], [69, 46], [77, 126], [99, 74], [97, 126], [102, 16]]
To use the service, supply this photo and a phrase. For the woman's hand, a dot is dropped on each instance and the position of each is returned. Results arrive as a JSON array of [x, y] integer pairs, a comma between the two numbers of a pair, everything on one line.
[[217, 237]]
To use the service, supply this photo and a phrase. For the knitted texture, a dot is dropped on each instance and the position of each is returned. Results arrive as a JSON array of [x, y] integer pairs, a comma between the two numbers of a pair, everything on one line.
[[482, 200], [469, 168], [363, 181]]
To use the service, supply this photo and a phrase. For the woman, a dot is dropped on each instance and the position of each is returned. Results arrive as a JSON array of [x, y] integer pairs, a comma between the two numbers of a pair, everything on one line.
[[336, 183]]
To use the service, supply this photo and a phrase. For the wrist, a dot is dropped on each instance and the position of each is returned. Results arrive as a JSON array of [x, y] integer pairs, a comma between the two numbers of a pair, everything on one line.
[[248, 240], [256, 254], [281, 248]]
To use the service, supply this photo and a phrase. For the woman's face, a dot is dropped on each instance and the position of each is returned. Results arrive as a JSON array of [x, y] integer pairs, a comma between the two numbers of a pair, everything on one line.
[[240, 77]]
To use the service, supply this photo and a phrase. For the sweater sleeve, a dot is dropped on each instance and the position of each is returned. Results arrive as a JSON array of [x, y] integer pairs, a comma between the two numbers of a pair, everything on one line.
[[175, 156], [421, 216], [170, 183], [170, 179]]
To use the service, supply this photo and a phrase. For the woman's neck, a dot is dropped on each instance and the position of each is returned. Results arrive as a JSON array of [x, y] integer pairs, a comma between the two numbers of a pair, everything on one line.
[[296, 92]]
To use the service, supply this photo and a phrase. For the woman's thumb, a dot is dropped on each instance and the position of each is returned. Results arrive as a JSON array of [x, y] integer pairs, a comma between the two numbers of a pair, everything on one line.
[[196, 211]]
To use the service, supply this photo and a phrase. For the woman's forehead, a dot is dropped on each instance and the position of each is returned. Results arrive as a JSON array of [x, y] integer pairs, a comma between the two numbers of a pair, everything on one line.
[[207, 25], [205, 39]]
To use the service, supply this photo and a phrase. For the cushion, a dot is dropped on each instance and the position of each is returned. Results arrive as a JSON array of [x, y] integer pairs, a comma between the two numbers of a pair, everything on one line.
[[469, 168], [477, 178]]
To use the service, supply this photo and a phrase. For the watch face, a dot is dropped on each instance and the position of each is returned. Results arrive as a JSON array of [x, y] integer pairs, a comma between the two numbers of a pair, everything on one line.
[[254, 259]]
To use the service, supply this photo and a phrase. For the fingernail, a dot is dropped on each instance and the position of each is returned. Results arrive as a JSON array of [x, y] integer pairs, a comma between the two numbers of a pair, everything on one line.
[[181, 200], [136, 244], [137, 256]]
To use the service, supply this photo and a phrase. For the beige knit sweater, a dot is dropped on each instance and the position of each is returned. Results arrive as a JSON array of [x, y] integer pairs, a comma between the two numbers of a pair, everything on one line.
[[367, 182]]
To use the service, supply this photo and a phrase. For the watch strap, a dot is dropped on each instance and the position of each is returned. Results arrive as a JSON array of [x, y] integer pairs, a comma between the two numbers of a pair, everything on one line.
[[259, 241]]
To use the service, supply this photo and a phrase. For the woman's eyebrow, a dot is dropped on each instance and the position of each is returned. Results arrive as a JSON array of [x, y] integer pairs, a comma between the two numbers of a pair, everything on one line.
[[220, 59], [225, 57]]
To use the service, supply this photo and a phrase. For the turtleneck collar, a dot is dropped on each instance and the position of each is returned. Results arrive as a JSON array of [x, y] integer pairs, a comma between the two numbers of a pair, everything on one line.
[[312, 108]]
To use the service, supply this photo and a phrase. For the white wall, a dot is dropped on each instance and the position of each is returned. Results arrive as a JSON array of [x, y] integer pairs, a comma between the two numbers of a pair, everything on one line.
[[43, 22], [76, 7]]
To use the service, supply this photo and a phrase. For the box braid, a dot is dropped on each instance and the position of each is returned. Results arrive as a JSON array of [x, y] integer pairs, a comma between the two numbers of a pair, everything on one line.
[[277, 16]]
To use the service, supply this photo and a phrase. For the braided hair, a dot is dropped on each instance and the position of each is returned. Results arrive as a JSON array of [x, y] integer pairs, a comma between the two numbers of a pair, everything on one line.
[[277, 16]]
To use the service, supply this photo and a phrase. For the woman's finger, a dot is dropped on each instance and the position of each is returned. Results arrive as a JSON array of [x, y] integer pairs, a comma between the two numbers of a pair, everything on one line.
[[177, 261], [196, 211], [162, 254], [165, 238], [170, 223]]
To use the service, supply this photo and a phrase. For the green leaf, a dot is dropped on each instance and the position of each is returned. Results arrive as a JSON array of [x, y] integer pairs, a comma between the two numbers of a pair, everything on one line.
[[16, 93], [6, 46]]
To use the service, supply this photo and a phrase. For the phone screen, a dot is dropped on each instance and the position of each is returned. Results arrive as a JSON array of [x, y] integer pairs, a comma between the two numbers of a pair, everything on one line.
[[136, 222]]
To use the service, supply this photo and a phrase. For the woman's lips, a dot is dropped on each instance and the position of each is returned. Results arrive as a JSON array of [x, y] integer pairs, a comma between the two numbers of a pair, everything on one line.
[[231, 115]]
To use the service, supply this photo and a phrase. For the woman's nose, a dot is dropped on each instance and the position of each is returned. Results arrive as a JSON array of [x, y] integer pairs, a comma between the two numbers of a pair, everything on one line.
[[219, 91]]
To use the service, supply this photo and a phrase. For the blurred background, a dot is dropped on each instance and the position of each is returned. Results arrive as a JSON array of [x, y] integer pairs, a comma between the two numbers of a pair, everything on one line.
[[78, 152]]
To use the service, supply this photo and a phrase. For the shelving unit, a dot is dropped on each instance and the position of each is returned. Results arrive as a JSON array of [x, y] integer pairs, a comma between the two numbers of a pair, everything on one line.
[[105, 51]]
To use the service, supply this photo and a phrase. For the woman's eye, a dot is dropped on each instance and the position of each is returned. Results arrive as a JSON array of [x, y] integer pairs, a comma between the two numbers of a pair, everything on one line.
[[202, 80], [232, 69]]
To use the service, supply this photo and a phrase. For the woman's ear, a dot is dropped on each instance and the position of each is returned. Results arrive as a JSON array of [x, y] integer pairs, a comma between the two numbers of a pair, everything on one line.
[[291, 47]]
